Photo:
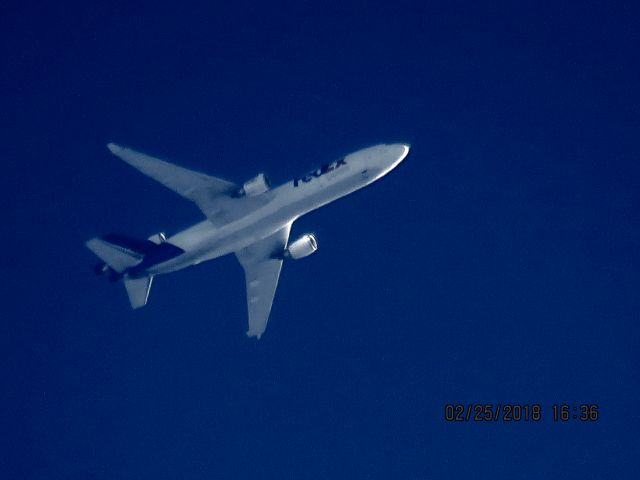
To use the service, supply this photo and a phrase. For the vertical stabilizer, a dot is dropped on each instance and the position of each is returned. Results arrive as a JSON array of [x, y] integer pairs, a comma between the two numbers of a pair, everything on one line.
[[138, 290]]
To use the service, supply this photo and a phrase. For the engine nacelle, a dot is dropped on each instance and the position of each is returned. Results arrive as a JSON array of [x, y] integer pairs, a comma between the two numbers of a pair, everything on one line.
[[302, 247], [158, 238], [256, 186]]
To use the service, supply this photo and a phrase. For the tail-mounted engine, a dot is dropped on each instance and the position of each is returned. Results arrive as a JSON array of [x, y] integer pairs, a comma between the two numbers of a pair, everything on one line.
[[158, 238], [254, 187], [302, 247]]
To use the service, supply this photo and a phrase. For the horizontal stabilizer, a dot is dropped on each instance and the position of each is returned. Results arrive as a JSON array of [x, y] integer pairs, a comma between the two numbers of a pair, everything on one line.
[[118, 257], [138, 290]]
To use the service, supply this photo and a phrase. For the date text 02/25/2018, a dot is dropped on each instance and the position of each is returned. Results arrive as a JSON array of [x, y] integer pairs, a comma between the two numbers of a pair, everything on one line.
[[514, 412]]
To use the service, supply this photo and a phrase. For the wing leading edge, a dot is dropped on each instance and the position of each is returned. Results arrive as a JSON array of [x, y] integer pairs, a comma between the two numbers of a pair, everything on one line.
[[262, 263]]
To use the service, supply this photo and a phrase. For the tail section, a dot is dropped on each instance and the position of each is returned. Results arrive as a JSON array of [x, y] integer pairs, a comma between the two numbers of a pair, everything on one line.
[[120, 254]]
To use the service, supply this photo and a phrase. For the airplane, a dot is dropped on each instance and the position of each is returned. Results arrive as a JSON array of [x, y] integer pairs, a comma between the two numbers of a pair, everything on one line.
[[251, 220]]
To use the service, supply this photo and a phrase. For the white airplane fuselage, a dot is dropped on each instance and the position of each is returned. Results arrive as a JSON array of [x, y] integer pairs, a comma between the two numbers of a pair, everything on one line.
[[205, 241]]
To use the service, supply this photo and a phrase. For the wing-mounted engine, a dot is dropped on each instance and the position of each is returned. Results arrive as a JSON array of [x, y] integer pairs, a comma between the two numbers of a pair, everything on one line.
[[254, 187], [302, 247]]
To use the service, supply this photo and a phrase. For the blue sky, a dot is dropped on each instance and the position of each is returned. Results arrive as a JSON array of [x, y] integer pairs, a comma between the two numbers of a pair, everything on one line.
[[497, 264]]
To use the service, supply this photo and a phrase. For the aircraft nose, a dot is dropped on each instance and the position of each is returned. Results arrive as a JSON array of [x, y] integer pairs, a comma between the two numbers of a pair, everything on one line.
[[393, 155], [379, 160], [400, 150]]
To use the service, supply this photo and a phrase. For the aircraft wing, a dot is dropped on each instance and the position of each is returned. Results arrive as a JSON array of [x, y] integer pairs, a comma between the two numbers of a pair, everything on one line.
[[262, 265], [184, 182], [213, 195]]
